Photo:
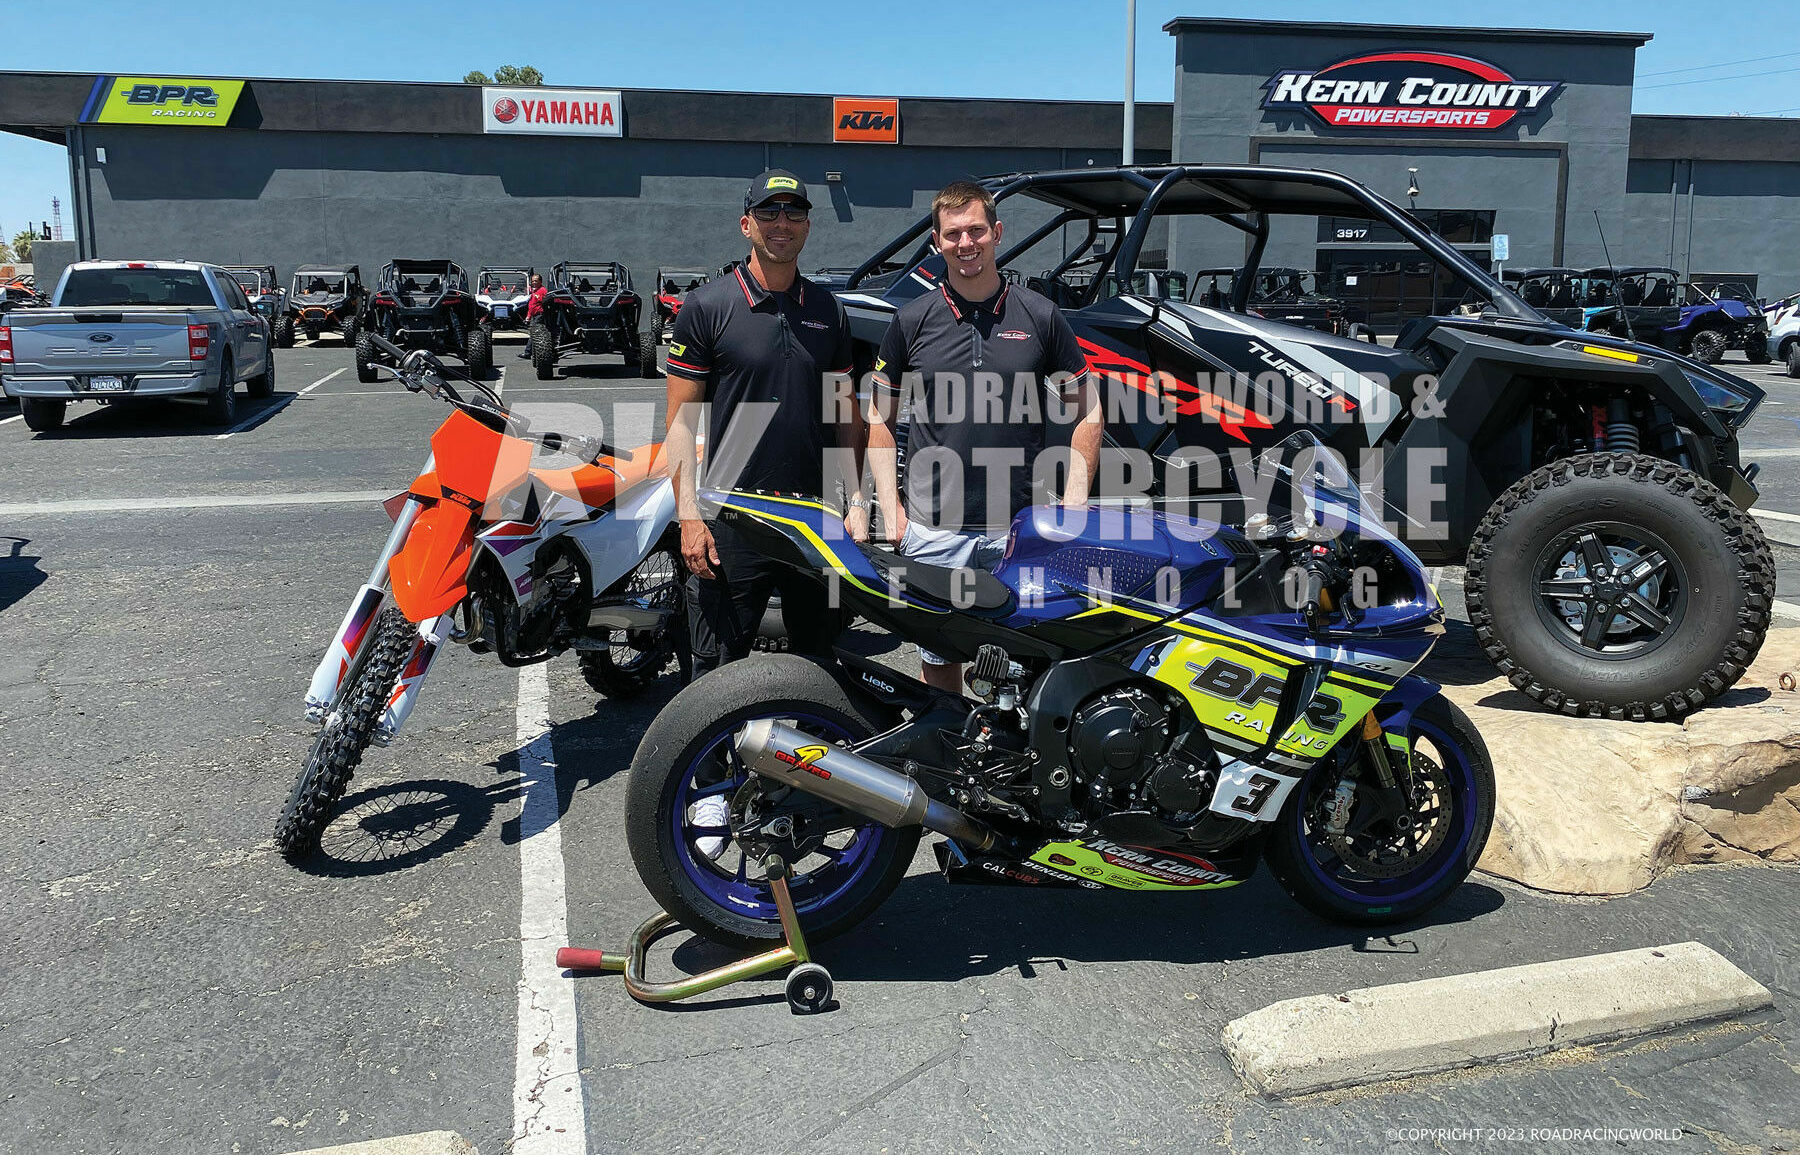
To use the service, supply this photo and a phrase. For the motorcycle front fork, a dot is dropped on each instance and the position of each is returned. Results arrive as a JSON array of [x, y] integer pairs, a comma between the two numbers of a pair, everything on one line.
[[357, 631]]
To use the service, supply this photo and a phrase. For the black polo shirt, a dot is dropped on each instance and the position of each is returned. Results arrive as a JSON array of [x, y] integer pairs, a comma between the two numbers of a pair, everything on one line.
[[980, 378], [748, 344]]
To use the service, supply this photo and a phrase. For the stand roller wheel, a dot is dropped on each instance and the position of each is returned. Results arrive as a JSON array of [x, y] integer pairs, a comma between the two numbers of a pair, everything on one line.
[[808, 988]]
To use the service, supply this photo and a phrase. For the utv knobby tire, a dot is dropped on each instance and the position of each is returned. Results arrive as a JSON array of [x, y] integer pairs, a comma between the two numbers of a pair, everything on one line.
[[646, 354], [365, 359], [760, 686], [284, 332], [1730, 575], [348, 329], [543, 352], [478, 352], [1708, 346], [338, 749], [42, 414], [1756, 349], [221, 403]]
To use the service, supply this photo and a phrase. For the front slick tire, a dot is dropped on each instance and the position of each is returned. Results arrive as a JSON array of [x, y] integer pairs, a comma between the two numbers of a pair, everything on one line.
[[1383, 875], [338, 750], [1553, 605], [686, 776]]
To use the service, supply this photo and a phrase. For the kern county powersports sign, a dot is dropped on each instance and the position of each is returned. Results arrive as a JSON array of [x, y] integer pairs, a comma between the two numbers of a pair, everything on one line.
[[1434, 91], [551, 111]]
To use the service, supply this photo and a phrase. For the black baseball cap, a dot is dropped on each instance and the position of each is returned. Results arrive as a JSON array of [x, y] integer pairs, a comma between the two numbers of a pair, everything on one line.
[[772, 184]]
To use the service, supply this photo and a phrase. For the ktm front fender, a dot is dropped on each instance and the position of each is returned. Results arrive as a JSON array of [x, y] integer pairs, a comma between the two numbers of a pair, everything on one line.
[[430, 573]]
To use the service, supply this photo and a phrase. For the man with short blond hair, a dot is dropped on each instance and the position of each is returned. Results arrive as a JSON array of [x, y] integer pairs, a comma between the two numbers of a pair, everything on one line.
[[984, 364]]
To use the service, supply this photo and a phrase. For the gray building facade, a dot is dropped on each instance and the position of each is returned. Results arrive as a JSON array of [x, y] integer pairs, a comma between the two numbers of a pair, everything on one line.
[[1534, 141], [1569, 182], [310, 173]]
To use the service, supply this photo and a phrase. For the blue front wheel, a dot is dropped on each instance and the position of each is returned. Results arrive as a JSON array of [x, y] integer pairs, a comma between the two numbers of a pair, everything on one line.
[[1392, 869]]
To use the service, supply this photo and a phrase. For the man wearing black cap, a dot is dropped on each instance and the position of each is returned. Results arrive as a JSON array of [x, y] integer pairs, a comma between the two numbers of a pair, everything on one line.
[[757, 346]]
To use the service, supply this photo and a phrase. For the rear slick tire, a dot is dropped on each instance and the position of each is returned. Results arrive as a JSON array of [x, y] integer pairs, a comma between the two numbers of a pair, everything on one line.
[[338, 750], [703, 884], [1314, 872]]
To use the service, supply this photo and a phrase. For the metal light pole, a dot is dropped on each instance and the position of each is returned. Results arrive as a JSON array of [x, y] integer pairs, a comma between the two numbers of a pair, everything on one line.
[[1130, 80]]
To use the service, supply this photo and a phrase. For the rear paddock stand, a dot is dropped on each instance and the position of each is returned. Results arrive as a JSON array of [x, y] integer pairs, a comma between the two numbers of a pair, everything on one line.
[[808, 987]]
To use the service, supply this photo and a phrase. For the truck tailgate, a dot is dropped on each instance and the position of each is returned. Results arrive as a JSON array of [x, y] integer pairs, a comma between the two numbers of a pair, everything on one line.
[[77, 342]]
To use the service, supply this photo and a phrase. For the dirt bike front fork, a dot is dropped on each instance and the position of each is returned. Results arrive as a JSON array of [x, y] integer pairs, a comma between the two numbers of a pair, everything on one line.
[[808, 984]]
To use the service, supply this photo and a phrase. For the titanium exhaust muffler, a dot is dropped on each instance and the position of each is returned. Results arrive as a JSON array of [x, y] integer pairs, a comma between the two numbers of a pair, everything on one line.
[[852, 781]]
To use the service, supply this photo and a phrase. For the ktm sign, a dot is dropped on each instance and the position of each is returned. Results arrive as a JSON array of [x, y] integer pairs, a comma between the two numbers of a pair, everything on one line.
[[855, 120], [551, 111], [1430, 91], [159, 100]]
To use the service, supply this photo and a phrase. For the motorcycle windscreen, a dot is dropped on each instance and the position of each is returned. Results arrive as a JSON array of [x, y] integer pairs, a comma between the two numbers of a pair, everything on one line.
[[477, 462], [430, 573]]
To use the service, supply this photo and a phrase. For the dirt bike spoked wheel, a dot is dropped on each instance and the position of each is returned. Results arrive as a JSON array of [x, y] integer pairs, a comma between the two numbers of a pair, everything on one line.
[[349, 729], [636, 657], [1399, 867], [698, 820]]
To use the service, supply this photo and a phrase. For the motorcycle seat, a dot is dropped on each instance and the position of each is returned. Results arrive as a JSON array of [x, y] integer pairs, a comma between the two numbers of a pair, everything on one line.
[[943, 584]]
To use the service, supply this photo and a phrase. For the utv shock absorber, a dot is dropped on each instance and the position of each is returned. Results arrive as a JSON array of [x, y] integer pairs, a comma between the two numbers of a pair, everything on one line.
[[1621, 432]]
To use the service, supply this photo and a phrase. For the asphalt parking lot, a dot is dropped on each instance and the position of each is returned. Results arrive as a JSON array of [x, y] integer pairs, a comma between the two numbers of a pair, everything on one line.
[[169, 984]]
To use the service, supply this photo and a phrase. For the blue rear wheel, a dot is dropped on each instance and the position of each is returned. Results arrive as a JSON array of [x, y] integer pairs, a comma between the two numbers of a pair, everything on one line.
[[691, 799]]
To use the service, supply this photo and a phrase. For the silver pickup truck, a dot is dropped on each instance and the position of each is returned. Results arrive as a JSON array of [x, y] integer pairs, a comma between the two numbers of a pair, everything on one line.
[[126, 329]]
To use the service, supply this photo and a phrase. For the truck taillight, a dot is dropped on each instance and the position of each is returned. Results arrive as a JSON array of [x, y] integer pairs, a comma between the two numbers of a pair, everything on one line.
[[5, 346], [199, 342]]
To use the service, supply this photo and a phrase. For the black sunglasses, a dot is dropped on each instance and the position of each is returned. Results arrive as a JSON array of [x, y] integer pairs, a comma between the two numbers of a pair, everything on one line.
[[767, 213]]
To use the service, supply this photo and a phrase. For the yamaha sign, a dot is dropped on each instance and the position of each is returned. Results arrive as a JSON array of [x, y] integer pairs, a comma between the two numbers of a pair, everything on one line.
[[551, 111], [1429, 91]]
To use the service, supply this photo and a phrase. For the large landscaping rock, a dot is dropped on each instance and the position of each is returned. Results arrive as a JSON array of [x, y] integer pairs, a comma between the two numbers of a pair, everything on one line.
[[1594, 807]]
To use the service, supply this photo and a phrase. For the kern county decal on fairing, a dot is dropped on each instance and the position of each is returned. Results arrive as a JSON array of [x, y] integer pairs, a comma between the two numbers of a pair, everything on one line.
[[1435, 91], [161, 100], [551, 111]]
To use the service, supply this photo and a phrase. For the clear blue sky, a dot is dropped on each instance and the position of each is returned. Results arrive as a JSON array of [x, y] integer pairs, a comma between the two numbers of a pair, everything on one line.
[[1070, 49]]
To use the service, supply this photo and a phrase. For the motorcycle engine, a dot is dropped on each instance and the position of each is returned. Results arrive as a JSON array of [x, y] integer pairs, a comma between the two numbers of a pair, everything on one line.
[[1127, 756]]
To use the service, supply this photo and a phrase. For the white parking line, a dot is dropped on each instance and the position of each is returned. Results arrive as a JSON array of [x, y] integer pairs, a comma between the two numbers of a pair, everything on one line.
[[1758, 454], [548, 1114], [1772, 515], [1787, 610], [264, 415], [13, 418], [142, 504]]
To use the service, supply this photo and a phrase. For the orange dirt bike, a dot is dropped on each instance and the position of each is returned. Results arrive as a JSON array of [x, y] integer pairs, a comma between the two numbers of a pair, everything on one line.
[[524, 563]]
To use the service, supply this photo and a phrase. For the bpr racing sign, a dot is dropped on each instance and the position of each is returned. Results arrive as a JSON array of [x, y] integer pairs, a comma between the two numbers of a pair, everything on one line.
[[1433, 91], [855, 120], [551, 111], [161, 100]]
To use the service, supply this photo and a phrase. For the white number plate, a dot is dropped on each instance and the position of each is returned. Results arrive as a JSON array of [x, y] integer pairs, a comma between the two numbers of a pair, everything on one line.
[[502, 311], [106, 384], [1252, 792]]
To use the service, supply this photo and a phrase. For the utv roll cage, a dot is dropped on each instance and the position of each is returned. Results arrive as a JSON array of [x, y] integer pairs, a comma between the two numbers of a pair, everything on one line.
[[1127, 199], [581, 278]]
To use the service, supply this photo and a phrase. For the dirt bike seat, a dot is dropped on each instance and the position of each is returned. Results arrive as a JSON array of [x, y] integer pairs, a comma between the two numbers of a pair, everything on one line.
[[943, 584]]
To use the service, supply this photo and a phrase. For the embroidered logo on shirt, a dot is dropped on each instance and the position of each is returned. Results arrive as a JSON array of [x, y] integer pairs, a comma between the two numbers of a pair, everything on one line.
[[677, 350], [1013, 335], [815, 324]]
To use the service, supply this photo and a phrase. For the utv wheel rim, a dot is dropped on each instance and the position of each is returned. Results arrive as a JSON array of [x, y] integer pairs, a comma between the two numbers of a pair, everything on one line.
[[1609, 591], [717, 864]]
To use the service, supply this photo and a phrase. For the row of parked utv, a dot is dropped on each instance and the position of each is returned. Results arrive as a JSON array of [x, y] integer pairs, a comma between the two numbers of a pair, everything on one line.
[[590, 307], [1652, 304]]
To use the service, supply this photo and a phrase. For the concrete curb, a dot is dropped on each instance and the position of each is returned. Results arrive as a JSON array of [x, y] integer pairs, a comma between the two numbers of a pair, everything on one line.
[[1300, 1046], [424, 1143]]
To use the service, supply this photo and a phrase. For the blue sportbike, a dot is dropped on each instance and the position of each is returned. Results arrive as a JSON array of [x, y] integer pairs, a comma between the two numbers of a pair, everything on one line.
[[1156, 703]]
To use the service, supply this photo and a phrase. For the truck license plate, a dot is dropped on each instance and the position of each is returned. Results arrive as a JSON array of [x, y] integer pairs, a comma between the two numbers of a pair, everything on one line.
[[106, 384]]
